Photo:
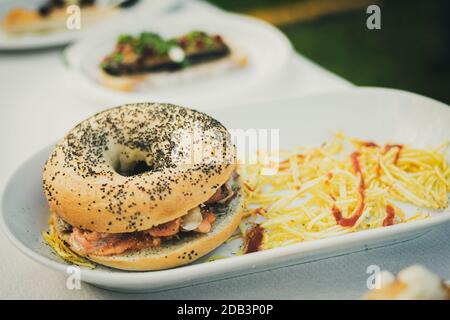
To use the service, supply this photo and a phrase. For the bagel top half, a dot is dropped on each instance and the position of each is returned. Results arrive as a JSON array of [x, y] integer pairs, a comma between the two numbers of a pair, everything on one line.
[[137, 166]]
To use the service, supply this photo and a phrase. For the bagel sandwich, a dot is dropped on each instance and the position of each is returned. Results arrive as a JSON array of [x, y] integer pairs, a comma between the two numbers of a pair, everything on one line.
[[144, 186]]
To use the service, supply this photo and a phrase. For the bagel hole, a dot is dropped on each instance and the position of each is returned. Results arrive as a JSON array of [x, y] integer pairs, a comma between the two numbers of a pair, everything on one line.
[[128, 162], [135, 168]]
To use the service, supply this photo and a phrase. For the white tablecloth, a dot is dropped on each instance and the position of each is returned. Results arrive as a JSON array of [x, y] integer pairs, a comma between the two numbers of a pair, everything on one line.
[[37, 107]]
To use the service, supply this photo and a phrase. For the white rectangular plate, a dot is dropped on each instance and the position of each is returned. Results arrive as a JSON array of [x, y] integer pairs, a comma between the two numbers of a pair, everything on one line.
[[367, 113]]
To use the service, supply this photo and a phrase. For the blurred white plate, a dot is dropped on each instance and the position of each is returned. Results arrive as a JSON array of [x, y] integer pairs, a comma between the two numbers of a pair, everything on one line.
[[267, 49], [61, 37], [373, 114]]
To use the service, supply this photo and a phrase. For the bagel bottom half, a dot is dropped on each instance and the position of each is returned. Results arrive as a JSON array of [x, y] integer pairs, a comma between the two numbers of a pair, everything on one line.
[[176, 252]]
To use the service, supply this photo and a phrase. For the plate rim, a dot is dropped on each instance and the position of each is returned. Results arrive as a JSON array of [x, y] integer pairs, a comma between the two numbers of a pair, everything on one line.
[[58, 39], [74, 51], [194, 271]]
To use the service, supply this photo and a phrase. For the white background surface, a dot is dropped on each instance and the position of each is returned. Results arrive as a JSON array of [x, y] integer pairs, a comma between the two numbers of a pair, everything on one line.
[[38, 107]]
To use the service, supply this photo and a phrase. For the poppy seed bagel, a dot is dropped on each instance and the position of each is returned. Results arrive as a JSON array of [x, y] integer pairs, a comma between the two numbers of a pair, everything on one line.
[[136, 166]]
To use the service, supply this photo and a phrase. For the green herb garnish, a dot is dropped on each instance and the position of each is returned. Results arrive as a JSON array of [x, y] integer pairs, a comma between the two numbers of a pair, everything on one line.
[[117, 57], [125, 39]]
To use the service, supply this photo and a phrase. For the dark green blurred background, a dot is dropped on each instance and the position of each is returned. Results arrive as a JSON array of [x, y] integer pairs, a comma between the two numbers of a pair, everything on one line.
[[410, 52]]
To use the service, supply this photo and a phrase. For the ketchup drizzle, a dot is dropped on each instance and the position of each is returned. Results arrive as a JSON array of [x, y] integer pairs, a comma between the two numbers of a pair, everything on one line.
[[254, 239], [350, 222], [399, 149], [390, 215]]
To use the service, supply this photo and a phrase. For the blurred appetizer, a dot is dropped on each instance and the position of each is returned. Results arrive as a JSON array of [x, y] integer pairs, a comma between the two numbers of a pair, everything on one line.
[[52, 15], [149, 59], [413, 283]]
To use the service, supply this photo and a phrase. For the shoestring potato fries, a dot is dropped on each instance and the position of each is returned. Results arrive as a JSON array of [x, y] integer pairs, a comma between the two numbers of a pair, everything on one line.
[[61, 248], [343, 186]]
